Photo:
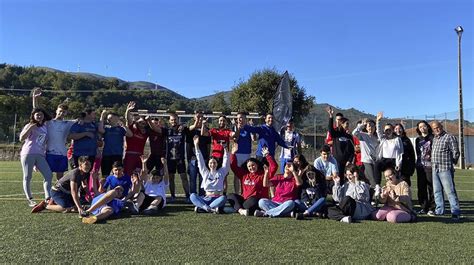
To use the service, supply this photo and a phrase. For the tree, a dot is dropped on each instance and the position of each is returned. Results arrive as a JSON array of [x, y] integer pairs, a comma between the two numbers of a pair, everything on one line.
[[257, 93], [219, 104]]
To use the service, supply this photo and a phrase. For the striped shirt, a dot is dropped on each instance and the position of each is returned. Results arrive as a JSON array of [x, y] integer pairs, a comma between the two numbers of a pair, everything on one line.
[[444, 152]]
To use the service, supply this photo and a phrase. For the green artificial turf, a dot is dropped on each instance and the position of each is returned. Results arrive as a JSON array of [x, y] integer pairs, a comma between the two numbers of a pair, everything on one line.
[[179, 235]]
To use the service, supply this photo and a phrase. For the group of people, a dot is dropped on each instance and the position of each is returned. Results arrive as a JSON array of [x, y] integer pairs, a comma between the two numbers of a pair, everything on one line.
[[110, 172]]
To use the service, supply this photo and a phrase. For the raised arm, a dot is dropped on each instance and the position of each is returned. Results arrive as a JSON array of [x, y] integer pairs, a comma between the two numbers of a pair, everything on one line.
[[200, 159], [100, 126], [128, 115], [238, 171], [204, 129], [36, 93], [225, 163], [379, 126]]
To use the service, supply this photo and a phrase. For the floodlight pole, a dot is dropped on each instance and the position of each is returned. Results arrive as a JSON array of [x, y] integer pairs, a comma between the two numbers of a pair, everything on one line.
[[459, 30]]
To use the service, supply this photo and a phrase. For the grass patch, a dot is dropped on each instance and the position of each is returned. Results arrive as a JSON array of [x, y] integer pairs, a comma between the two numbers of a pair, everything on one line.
[[180, 236]]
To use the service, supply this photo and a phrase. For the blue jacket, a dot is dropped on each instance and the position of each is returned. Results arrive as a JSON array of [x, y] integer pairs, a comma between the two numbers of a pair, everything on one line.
[[267, 136]]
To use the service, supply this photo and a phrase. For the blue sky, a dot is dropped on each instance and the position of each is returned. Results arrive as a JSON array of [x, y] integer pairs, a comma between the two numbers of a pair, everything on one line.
[[397, 56]]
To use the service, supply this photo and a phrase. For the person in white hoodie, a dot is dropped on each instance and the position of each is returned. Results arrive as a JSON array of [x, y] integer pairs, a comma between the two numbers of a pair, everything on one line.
[[369, 142], [212, 182], [389, 152]]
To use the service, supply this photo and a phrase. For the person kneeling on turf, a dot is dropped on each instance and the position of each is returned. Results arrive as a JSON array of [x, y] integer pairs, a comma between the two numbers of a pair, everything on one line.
[[153, 197], [353, 197], [65, 193], [212, 182], [286, 190], [396, 195]]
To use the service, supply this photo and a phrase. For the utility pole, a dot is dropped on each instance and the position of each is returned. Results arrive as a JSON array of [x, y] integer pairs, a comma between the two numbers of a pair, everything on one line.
[[459, 30]]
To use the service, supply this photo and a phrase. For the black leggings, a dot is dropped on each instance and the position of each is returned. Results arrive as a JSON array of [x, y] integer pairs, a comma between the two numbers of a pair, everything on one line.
[[346, 207], [425, 188], [238, 202]]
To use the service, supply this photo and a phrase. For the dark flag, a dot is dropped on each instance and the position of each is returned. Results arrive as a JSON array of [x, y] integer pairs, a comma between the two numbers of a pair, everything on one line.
[[282, 103]]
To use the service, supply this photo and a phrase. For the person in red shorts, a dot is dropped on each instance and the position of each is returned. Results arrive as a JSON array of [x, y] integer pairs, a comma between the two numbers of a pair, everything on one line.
[[136, 143]]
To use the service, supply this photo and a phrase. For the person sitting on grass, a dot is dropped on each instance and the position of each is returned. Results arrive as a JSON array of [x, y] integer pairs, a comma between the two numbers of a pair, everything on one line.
[[327, 165], [104, 206], [313, 194], [153, 197], [251, 180], [119, 178], [396, 195], [65, 193], [212, 182], [286, 190], [353, 197]]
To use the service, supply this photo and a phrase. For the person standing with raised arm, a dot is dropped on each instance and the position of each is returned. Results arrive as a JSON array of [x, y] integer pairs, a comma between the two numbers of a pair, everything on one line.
[[113, 133], [267, 136], [195, 177], [32, 153], [368, 147], [58, 131], [343, 145], [389, 152]]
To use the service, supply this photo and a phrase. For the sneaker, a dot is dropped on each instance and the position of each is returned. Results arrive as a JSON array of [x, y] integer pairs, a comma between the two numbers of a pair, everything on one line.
[[196, 209], [244, 212], [39, 207], [293, 214], [131, 207], [84, 214], [422, 211], [456, 217], [89, 220], [150, 210], [299, 216], [31, 203], [171, 199], [259, 213], [188, 201], [346, 219], [432, 213], [216, 210]]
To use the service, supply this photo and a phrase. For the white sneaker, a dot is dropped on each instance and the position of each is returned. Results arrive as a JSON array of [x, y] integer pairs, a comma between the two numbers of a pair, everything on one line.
[[244, 212], [31, 203], [346, 219]]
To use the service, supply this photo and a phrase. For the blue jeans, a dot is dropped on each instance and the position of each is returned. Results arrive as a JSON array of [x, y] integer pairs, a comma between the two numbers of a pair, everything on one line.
[[193, 177], [313, 208], [206, 202], [275, 209], [444, 180], [283, 164]]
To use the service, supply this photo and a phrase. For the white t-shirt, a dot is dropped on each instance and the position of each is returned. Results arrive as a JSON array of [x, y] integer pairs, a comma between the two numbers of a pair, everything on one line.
[[156, 189], [58, 130], [288, 140]]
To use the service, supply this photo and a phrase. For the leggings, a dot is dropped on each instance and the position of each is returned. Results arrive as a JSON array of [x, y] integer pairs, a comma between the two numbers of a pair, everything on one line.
[[27, 163], [238, 202], [392, 215]]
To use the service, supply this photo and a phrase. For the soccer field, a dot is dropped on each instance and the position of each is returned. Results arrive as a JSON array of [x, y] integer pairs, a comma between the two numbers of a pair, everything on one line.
[[179, 235]]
